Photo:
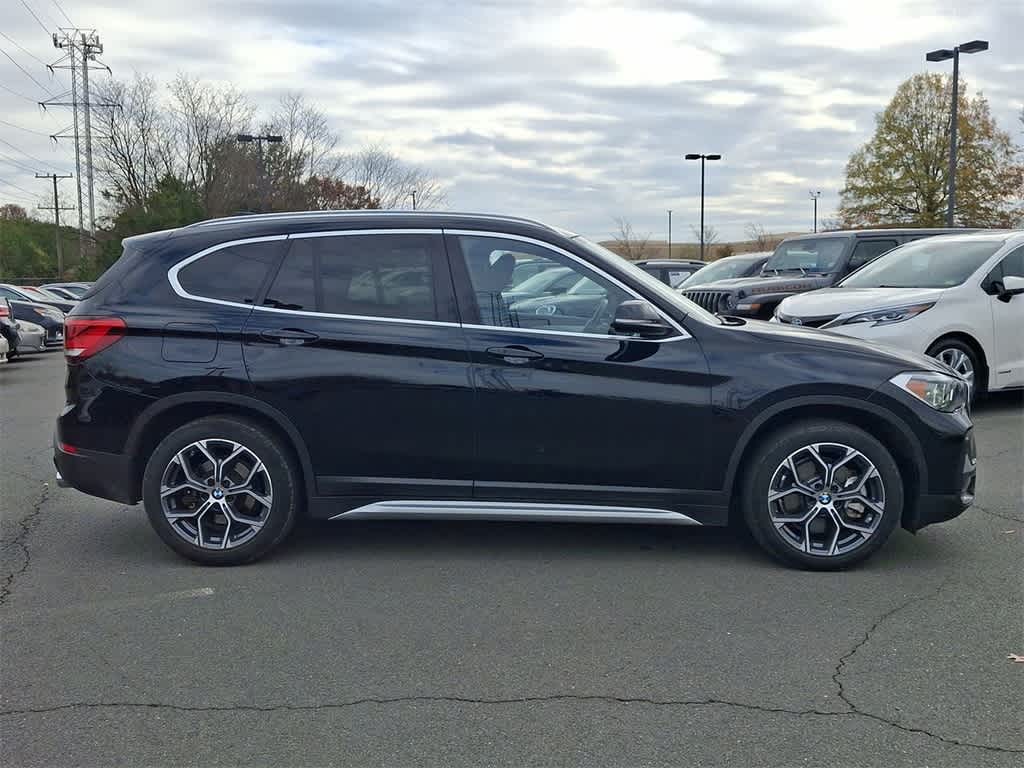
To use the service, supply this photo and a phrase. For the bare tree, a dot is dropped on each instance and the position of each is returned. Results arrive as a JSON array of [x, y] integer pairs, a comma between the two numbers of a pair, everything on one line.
[[829, 224], [204, 117], [627, 243], [135, 151], [710, 236], [391, 181]]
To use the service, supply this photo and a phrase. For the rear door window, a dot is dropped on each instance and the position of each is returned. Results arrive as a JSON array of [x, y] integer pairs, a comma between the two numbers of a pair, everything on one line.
[[377, 275], [235, 273], [867, 250]]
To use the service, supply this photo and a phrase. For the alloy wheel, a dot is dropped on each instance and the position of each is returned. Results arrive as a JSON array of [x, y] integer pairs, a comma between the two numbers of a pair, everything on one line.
[[826, 499], [216, 494], [960, 362]]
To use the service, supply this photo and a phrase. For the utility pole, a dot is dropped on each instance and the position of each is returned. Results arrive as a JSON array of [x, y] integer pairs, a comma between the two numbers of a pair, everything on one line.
[[814, 196], [82, 48], [269, 138], [56, 217], [413, 193], [670, 233]]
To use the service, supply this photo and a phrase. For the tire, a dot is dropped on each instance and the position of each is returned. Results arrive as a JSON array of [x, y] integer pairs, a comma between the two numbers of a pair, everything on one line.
[[818, 542], [963, 358], [227, 520]]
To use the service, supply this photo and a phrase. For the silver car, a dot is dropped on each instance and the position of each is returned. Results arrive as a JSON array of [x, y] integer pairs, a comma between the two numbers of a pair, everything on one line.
[[33, 337]]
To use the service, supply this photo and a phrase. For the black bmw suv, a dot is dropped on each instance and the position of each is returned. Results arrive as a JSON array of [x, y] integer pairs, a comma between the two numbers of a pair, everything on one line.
[[238, 374]]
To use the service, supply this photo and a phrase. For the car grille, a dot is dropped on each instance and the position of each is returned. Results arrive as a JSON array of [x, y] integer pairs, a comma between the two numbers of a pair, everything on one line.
[[807, 322], [712, 301]]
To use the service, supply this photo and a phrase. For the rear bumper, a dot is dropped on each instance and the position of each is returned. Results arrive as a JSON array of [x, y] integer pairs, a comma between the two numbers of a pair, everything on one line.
[[939, 507], [107, 475]]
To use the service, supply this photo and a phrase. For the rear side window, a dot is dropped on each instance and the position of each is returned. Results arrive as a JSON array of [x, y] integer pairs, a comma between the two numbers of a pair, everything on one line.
[[235, 273], [364, 275], [867, 250]]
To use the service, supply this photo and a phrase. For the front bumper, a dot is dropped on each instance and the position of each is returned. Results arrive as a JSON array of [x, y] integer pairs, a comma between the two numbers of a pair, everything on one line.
[[939, 507], [107, 475]]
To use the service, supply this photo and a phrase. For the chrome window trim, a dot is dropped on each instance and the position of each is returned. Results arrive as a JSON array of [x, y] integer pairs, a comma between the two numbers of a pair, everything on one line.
[[505, 510], [175, 282], [592, 267]]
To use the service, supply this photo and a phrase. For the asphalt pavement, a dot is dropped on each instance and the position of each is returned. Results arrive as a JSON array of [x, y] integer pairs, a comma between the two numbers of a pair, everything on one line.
[[478, 644]]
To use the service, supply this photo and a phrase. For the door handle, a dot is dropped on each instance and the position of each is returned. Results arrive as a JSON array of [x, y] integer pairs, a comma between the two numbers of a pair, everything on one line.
[[289, 337], [516, 354]]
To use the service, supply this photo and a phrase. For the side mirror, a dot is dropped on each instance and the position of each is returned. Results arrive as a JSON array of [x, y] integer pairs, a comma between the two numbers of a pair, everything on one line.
[[1010, 286], [640, 318]]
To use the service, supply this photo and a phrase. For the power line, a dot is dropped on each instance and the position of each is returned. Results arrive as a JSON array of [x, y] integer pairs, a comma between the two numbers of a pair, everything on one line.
[[26, 130], [19, 95], [69, 21], [16, 163], [26, 73], [26, 154], [12, 184], [21, 48], [40, 23]]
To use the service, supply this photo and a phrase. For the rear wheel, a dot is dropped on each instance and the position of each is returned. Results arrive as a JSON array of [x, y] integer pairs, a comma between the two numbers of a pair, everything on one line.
[[822, 495], [221, 491]]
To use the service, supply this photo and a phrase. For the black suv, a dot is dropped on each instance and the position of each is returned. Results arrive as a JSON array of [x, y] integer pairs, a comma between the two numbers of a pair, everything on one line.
[[804, 263], [241, 373]]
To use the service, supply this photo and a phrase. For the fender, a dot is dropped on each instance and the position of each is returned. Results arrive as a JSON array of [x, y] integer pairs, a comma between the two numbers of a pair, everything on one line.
[[236, 401], [797, 403]]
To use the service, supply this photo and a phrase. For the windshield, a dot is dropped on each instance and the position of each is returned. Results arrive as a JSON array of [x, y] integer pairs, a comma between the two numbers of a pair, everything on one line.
[[654, 285], [931, 263], [820, 255], [719, 270]]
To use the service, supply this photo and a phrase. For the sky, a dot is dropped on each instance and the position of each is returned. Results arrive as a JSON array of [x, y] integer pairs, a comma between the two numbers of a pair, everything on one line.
[[573, 113]]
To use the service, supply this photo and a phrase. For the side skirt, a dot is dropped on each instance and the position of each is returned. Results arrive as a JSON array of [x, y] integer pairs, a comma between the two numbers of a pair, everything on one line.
[[506, 510]]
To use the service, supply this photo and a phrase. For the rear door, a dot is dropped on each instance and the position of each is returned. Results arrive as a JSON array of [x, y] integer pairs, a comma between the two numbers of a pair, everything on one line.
[[565, 411], [357, 341]]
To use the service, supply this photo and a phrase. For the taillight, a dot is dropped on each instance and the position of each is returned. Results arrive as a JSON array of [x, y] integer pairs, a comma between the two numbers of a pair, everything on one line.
[[4, 311], [85, 336]]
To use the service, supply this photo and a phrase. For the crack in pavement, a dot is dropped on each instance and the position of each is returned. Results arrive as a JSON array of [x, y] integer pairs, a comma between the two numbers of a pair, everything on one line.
[[585, 698], [998, 514], [20, 542]]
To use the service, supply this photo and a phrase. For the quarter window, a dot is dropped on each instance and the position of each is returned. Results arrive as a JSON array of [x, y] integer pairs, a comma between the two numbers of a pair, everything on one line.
[[235, 273], [568, 296]]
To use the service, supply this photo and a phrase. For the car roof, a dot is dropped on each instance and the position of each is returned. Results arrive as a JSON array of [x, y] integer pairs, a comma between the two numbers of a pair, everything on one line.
[[669, 262], [849, 233], [348, 218]]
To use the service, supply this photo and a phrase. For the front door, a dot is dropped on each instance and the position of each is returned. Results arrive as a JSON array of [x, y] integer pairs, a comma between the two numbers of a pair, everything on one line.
[[1007, 322], [357, 341], [565, 411]]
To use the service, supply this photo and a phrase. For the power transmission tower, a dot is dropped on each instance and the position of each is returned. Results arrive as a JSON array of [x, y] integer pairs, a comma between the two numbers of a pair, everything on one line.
[[82, 48], [56, 216]]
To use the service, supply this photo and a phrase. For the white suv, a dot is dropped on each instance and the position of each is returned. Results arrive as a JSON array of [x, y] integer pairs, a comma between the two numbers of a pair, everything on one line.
[[956, 298]]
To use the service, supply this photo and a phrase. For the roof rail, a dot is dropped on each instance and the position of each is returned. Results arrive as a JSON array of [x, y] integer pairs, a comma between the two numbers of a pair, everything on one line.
[[312, 215]]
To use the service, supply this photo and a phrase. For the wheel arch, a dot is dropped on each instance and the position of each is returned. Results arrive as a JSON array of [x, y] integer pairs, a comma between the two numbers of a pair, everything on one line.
[[177, 410], [972, 341], [879, 423]]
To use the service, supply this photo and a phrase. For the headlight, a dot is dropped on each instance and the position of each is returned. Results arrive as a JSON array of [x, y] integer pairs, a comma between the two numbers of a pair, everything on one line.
[[888, 316], [941, 392]]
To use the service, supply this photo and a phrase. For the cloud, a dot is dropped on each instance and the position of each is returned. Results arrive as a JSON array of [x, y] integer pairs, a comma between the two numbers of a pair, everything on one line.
[[571, 112]]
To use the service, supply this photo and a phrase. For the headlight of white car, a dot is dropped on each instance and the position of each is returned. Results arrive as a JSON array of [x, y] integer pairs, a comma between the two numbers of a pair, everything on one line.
[[888, 316], [940, 391]]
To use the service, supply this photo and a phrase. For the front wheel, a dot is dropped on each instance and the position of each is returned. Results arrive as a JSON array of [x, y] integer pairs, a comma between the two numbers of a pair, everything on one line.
[[221, 491], [961, 358], [822, 495]]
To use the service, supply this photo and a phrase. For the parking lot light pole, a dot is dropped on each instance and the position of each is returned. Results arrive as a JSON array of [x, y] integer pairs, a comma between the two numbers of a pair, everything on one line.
[[702, 158], [670, 233], [942, 54], [815, 194]]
